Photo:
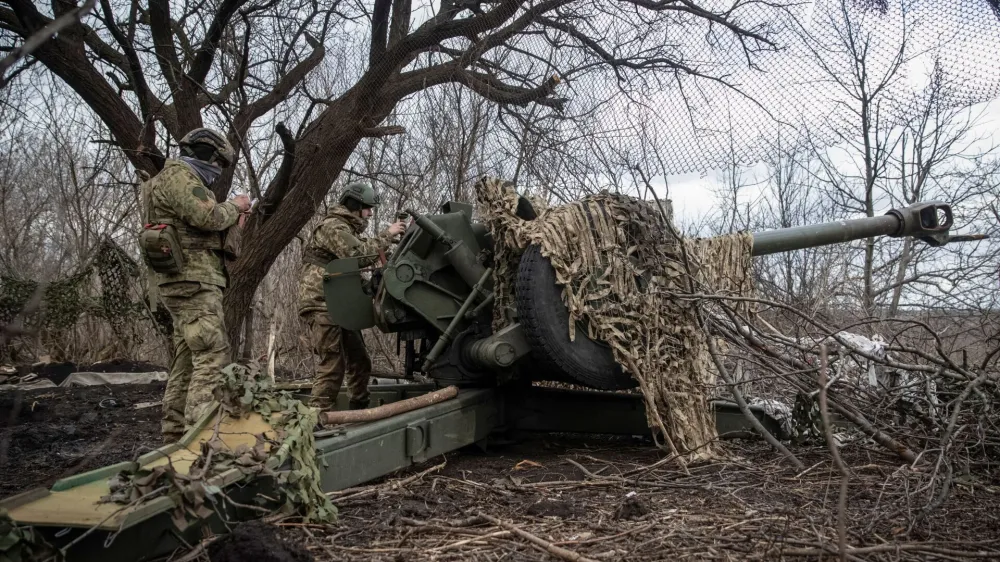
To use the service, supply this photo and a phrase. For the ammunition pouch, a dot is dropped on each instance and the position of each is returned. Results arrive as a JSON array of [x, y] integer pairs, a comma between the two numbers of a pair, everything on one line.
[[162, 244], [316, 256]]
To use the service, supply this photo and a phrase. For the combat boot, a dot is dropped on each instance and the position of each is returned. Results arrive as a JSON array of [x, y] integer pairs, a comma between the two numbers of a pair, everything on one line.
[[358, 404]]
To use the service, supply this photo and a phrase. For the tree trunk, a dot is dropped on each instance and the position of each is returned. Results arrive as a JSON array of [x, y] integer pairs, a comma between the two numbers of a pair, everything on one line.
[[869, 296], [247, 353], [904, 262], [321, 154]]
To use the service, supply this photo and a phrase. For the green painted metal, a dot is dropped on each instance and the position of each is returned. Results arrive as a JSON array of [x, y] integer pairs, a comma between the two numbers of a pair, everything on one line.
[[929, 222], [500, 350], [449, 333], [348, 304], [357, 454], [421, 287]]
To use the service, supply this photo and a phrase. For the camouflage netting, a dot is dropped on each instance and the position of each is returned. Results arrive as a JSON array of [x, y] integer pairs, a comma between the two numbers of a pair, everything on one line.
[[246, 389], [625, 276], [106, 286]]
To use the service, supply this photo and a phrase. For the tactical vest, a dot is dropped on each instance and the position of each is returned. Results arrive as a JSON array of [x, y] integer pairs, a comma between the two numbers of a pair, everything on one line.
[[317, 256], [162, 241]]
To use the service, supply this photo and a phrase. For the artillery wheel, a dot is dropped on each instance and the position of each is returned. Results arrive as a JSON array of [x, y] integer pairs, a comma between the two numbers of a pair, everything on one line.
[[545, 320]]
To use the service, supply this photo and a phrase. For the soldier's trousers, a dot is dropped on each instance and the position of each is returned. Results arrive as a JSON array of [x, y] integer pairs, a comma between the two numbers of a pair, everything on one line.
[[342, 355], [201, 350]]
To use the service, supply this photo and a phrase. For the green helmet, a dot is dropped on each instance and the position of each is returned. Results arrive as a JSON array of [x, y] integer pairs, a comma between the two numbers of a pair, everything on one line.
[[223, 150], [362, 192]]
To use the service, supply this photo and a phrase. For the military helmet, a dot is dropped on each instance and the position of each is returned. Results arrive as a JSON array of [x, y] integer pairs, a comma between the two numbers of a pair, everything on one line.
[[223, 150], [362, 192]]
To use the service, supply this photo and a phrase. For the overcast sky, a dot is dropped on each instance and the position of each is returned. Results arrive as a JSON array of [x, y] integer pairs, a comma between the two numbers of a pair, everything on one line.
[[693, 194]]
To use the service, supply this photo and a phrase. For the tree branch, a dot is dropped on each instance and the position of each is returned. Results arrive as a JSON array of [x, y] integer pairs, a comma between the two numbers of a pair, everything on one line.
[[163, 43], [135, 73], [486, 86], [285, 84], [380, 30], [184, 90], [206, 52], [282, 180], [65, 56], [384, 131], [401, 11], [41, 36]]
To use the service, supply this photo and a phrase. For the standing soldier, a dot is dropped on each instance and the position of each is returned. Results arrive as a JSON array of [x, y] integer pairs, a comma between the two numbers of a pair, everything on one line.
[[183, 243], [340, 351]]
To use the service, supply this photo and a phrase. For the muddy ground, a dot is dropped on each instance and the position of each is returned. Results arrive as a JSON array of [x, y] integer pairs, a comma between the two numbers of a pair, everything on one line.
[[51, 433], [602, 499]]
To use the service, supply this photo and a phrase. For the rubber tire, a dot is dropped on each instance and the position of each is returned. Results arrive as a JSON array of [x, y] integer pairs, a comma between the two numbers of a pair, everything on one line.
[[544, 319]]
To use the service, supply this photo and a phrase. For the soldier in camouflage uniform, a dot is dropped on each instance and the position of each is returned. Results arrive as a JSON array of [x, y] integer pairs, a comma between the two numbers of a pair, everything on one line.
[[340, 351], [180, 196]]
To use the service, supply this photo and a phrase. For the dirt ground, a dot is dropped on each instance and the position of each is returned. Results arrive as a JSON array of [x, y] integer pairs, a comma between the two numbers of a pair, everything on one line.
[[51, 433], [598, 499], [606, 500]]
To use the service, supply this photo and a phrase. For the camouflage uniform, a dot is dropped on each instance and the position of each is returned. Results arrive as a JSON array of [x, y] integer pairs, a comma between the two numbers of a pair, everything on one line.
[[340, 351], [194, 295]]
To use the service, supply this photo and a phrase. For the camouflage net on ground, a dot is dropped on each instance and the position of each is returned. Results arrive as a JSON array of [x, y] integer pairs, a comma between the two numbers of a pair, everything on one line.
[[246, 390], [600, 248]]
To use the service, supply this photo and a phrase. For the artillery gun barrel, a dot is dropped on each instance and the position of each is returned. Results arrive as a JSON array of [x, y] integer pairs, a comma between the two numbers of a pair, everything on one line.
[[928, 221], [809, 236]]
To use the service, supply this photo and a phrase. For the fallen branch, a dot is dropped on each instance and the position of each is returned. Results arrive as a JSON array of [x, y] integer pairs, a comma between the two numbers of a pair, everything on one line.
[[389, 410], [878, 435], [824, 412], [744, 407], [549, 547], [393, 484]]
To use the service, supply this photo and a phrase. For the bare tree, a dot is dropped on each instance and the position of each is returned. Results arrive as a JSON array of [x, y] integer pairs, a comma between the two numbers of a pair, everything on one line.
[[147, 70]]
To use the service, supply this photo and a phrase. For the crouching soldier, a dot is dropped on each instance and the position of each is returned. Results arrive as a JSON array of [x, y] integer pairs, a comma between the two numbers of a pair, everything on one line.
[[183, 243], [341, 352]]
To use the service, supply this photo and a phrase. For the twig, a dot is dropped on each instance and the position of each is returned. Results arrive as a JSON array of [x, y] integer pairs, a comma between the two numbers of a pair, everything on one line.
[[742, 403], [611, 537], [394, 484], [549, 547], [194, 553], [63, 550], [835, 453], [946, 446], [471, 540]]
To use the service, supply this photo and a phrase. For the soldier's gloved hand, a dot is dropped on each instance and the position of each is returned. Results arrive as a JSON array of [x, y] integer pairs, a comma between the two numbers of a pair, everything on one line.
[[242, 203], [396, 228]]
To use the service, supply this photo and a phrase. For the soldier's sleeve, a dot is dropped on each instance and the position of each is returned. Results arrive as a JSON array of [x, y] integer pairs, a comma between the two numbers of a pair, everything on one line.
[[371, 247], [196, 206], [337, 238]]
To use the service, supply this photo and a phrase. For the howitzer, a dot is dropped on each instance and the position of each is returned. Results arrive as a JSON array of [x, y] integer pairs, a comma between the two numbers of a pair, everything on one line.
[[436, 294]]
